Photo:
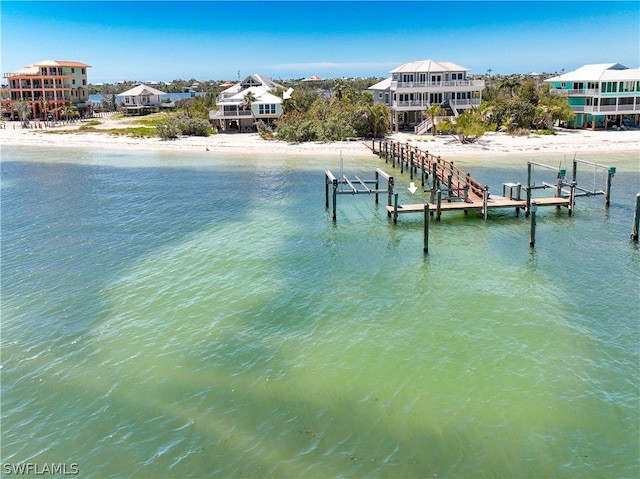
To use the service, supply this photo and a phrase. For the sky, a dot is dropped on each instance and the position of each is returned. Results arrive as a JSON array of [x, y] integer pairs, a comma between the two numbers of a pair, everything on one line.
[[206, 40]]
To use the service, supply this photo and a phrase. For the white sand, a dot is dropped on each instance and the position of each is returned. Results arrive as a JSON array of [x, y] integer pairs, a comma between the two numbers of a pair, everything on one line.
[[491, 144]]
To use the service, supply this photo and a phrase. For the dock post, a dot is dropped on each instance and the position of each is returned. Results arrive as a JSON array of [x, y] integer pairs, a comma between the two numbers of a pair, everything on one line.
[[377, 185], [422, 169], [528, 189], [335, 197], [485, 200], [450, 186], [532, 233], [390, 189], [636, 220], [438, 204], [401, 148], [411, 165], [607, 199], [435, 181], [395, 207], [326, 190], [572, 197], [425, 249], [386, 152]]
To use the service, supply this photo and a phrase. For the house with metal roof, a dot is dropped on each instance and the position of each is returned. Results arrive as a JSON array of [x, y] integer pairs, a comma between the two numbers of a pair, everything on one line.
[[140, 100], [415, 86], [601, 95], [48, 86], [246, 102]]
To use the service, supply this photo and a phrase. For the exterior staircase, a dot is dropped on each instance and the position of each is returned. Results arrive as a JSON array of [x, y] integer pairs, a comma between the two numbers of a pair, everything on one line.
[[424, 126]]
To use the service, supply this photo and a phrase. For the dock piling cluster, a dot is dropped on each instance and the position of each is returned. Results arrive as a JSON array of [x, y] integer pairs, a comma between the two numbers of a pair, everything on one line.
[[452, 189]]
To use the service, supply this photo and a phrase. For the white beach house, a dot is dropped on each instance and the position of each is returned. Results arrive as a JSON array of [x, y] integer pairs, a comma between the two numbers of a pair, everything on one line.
[[415, 86], [601, 95], [141, 99], [242, 104]]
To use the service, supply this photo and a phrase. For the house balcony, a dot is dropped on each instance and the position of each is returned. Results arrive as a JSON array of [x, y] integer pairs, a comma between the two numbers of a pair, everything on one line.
[[423, 104], [576, 92], [229, 115], [607, 109], [452, 85]]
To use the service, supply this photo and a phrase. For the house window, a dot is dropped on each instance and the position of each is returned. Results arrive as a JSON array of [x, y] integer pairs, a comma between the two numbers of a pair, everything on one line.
[[379, 95], [267, 109], [73, 71]]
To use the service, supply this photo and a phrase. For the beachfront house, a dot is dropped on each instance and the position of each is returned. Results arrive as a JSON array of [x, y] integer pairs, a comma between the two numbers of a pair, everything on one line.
[[244, 103], [602, 95], [140, 100], [415, 86], [48, 86]]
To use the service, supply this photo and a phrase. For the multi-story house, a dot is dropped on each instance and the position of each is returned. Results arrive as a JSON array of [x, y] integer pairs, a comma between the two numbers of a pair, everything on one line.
[[601, 95], [48, 86], [415, 86], [241, 105]]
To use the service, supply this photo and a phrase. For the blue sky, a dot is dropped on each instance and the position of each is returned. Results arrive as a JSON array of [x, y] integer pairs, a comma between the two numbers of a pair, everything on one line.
[[167, 40]]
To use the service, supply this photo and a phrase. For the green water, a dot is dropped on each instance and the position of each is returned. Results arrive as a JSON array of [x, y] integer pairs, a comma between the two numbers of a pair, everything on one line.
[[202, 316]]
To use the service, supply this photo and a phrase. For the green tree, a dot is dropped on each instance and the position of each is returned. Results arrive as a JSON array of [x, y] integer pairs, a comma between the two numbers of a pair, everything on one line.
[[68, 111], [433, 111], [529, 92], [23, 108], [551, 108], [468, 126], [510, 84]]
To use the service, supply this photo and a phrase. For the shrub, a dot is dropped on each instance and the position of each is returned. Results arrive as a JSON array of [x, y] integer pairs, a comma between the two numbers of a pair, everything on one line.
[[194, 126], [168, 128]]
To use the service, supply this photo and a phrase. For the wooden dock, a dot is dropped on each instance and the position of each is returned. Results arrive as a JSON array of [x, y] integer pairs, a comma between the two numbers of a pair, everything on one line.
[[492, 202], [450, 189]]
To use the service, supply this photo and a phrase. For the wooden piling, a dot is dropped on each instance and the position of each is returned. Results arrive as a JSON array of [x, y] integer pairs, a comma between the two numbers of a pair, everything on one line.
[[532, 232], [607, 197], [485, 200], [395, 207], [636, 220], [425, 249]]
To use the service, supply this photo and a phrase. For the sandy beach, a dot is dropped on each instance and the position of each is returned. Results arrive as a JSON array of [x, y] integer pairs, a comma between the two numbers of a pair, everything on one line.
[[489, 145]]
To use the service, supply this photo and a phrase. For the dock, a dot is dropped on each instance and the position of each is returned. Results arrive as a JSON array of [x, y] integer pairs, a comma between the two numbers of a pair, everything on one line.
[[450, 189]]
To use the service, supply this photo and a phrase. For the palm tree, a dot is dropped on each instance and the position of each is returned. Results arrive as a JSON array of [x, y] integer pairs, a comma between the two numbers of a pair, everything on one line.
[[249, 98], [23, 108], [510, 84], [68, 111], [434, 110], [340, 86], [378, 118]]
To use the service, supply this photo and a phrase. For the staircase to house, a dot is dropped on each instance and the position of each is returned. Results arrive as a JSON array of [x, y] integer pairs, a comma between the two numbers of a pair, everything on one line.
[[424, 126]]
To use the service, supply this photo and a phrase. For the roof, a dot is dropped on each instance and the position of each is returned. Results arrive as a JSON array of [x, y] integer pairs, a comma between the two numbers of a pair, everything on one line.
[[35, 68], [598, 72], [141, 89], [260, 93], [253, 81], [60, 63], [428, 66], [383, 85]]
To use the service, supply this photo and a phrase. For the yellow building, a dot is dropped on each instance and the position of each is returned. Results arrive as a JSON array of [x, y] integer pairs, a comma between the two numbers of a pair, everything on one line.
[[48, 86]]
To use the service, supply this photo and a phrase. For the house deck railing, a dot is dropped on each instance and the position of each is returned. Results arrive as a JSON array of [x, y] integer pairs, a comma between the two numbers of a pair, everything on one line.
[[476, 84]]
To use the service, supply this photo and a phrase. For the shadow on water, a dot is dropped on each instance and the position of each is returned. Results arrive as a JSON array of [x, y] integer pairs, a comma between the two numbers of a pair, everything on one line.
[[248, 376]]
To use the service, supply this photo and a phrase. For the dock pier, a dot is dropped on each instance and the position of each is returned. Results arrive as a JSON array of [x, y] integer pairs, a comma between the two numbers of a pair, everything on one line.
[[450, 189]]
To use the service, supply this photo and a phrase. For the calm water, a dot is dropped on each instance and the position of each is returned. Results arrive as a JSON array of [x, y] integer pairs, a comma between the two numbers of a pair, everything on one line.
[[201, 316]]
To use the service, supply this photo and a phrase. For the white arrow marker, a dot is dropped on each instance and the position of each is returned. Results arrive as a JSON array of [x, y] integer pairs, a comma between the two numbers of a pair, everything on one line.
[[412, 187]]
